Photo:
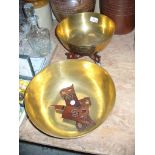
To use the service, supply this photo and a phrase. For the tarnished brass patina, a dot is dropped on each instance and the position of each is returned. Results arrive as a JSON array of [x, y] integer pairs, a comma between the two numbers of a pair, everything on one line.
[[89, 80], [85, 33]]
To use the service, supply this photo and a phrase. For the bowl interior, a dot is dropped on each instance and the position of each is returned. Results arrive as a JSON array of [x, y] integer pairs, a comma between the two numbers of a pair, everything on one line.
[[89, 80], [85, 29]]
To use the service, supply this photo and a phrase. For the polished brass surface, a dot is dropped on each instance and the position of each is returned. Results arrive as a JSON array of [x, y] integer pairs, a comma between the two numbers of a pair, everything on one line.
[[85, 33], [89, 80]]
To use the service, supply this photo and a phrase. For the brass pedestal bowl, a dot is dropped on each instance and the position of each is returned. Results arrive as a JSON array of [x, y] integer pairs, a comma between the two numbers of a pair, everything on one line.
[[85, 34], [89, 80]]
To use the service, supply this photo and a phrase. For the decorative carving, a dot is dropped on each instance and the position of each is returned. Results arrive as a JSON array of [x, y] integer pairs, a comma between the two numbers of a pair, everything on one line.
[[95, 57], [76, 110]]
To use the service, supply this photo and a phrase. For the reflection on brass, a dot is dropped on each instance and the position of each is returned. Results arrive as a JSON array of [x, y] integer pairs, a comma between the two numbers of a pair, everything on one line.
[[85, 33], [88, 78]]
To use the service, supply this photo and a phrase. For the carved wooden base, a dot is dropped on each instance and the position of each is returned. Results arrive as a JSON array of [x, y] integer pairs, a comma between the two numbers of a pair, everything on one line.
[[72, 55], [75, 109]]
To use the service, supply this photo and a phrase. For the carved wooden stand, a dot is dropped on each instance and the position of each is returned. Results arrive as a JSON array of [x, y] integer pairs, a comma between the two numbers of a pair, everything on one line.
[[75, 109], [95, 57]]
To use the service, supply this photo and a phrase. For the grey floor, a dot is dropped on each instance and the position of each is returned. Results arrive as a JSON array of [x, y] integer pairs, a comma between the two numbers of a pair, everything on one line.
[[33, 149]]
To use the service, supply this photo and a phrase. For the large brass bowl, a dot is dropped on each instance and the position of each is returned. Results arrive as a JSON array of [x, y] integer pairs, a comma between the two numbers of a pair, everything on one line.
[[89, 80], [85, 33]]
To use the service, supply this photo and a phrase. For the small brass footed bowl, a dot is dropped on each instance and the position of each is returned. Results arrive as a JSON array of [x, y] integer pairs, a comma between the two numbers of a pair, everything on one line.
[[85, 33], [89, 80]]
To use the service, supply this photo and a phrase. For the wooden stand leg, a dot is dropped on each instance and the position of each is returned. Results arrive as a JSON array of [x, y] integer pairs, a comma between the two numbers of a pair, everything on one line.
[[96, 58], [71, 55]]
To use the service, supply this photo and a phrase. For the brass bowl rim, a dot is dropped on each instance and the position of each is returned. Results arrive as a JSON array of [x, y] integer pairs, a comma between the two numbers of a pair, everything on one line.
[[114, 27], [86, 133]]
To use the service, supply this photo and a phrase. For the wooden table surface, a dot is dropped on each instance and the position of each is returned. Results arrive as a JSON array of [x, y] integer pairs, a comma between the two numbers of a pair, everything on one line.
[[116, 135]]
